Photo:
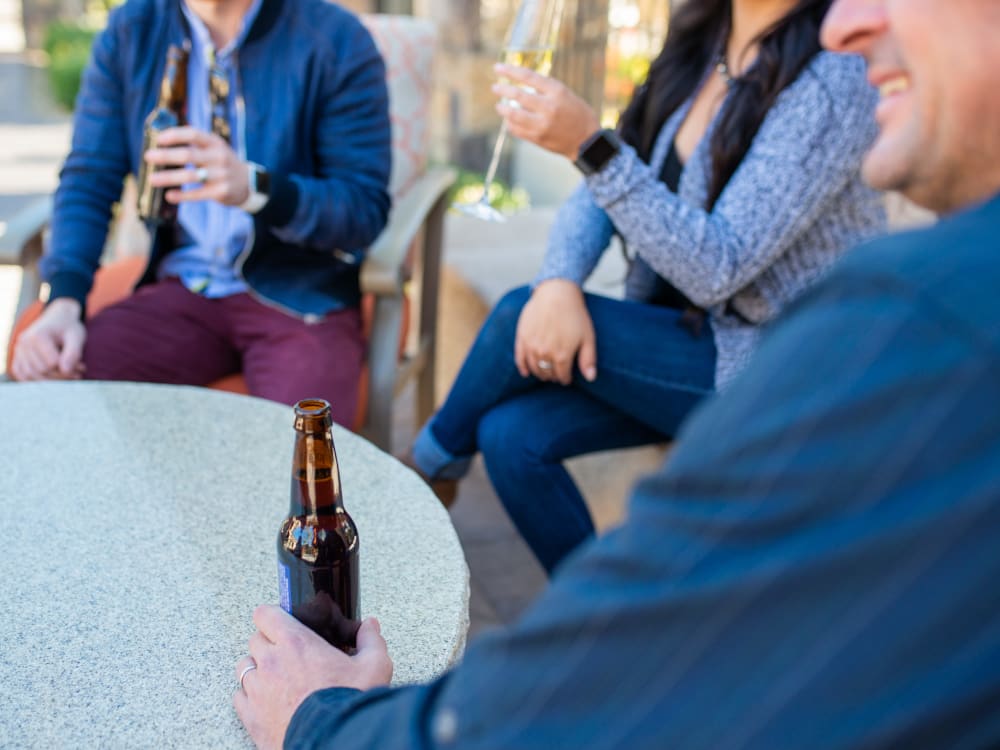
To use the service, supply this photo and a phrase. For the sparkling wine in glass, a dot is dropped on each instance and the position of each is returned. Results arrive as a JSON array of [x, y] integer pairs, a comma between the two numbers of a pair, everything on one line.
[[530, 43]]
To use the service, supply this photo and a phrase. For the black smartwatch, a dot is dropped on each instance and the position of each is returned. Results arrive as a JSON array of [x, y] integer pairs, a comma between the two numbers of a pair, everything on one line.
[[597, 151]]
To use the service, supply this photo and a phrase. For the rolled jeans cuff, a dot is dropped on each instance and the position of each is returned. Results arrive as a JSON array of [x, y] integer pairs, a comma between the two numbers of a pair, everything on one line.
[[434, 461]]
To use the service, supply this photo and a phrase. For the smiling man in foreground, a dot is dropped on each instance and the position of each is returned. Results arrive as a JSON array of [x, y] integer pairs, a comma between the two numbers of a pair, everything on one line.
[[817, 565]]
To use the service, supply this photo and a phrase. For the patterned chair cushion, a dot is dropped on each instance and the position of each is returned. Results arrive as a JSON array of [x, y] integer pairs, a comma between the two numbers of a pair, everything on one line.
[[407, 45]]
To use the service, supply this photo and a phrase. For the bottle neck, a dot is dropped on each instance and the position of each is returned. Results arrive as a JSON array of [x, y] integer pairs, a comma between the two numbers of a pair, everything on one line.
[[173, 88], [315, 475]]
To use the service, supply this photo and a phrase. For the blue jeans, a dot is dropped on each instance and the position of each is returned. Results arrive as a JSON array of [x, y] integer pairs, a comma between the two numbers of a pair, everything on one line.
[[651, 372]]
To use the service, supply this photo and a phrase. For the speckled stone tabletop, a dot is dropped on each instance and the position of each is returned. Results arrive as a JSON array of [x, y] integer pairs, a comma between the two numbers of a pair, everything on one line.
[[139, 526]]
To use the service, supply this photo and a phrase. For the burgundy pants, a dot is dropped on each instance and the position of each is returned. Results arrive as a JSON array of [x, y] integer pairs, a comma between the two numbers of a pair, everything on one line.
[[166, 334]]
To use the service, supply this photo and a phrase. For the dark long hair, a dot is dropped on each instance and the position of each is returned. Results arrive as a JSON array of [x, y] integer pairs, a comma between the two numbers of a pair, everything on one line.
[[698, 33]]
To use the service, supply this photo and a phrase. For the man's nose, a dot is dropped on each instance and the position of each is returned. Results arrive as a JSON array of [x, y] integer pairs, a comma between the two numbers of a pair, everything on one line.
[[851, 25]]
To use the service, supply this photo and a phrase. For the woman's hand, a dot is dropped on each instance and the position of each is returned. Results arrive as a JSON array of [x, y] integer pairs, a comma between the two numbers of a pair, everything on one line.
[[543, 111], [187, 156], [553, 330]]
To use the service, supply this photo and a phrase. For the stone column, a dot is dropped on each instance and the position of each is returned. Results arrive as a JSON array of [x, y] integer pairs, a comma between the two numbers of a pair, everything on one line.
[[579, 61], [471, 36]]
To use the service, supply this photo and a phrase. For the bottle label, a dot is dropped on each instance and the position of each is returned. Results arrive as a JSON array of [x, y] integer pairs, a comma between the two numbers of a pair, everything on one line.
[[284, 588]]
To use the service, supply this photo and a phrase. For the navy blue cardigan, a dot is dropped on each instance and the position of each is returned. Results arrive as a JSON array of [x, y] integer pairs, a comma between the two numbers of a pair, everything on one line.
[[316, 116]]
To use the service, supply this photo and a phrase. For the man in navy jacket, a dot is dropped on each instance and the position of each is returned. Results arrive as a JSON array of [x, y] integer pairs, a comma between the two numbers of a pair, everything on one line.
[[817, 565], [281, 179]]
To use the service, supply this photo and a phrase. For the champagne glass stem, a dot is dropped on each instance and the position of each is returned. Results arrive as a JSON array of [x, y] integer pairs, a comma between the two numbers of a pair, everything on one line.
[[491, 172]]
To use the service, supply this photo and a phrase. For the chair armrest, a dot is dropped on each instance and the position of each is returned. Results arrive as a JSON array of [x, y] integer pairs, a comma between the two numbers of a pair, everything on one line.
[[17, 235], [381, 273]]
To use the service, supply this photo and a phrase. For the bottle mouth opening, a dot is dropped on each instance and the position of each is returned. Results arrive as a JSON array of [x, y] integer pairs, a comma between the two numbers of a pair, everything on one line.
[[312, 407]]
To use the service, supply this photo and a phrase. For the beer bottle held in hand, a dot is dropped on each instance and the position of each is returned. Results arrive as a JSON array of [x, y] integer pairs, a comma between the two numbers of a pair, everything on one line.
[[170, 112], [318, 542]]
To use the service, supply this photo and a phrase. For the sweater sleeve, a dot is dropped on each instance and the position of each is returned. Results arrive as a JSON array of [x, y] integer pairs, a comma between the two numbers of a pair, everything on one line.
[[579, 236], [806, 151]]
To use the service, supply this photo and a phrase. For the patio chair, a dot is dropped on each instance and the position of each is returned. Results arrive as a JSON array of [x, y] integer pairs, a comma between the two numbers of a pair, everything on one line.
[[409, 249]]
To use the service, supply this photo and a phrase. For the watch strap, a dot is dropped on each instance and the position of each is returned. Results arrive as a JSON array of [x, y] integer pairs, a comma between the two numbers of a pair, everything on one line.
[[259, 183]]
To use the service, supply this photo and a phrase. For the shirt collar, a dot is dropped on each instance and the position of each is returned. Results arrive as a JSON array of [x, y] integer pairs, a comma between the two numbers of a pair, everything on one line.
[[202, 37]]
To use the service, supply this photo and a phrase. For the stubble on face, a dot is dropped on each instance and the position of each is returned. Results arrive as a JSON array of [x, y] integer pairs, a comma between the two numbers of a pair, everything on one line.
[[938, 71]]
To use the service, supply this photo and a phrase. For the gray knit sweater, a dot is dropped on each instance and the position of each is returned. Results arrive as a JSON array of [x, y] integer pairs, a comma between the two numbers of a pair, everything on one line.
[[795, 204]]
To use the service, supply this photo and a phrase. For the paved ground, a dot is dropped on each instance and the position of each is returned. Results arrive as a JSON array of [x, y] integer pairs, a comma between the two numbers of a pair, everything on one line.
[[482, 262]]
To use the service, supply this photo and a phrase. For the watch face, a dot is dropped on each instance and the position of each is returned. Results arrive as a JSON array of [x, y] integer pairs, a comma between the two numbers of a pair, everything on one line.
[[600, 152]]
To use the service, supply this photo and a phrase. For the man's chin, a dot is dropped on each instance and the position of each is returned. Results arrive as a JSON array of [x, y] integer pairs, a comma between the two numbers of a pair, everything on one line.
[[897, 177], [884, 170]]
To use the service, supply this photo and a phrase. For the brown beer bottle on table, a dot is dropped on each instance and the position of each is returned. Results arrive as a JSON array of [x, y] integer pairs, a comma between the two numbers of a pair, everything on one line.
[[170, 112], [318, 542]]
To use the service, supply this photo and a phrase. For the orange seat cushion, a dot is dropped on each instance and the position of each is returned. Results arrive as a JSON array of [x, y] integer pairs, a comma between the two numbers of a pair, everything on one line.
[[116, 280]]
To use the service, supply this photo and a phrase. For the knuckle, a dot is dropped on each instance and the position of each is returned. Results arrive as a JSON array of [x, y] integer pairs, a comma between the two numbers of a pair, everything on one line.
[[264, 662], [295, 641]]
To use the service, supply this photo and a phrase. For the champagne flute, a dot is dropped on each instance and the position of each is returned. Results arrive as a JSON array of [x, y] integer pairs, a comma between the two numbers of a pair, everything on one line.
[[530, 44]]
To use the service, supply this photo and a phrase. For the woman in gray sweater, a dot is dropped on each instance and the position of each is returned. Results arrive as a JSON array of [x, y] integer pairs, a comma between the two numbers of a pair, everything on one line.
[[733, 181]]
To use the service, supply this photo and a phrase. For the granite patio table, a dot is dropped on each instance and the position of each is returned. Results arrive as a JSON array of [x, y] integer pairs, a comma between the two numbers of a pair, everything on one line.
[[139, 526]]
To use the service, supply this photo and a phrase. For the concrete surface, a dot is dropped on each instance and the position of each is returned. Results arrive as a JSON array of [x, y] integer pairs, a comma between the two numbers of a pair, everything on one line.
[[137, 549]]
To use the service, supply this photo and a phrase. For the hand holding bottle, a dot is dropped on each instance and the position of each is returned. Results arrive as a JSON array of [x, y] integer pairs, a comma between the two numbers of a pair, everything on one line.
[[205, 162], [287, 663]]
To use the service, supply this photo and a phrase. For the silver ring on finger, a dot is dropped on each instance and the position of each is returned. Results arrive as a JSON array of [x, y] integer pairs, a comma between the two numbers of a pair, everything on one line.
[[246, 670], [544, 364], [201, 175]]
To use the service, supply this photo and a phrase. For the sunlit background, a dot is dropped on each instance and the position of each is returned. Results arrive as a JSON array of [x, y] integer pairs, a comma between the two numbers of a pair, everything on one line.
[[604, 49]]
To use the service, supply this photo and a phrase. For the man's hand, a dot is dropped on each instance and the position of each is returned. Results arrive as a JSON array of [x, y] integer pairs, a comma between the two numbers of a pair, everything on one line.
[[553, 328], [223, 176], [52, 346], [293, 663], [544, 111]]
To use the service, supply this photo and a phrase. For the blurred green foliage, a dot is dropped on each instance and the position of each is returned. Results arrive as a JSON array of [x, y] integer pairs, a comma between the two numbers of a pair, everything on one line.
[[68, 46], [468, 188]]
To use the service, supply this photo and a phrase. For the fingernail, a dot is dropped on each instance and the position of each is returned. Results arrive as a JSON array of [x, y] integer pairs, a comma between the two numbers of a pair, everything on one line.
[[590, 374]]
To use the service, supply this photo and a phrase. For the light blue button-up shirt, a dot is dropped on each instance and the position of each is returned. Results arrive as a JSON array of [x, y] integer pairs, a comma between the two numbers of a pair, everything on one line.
[[212, 235]]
